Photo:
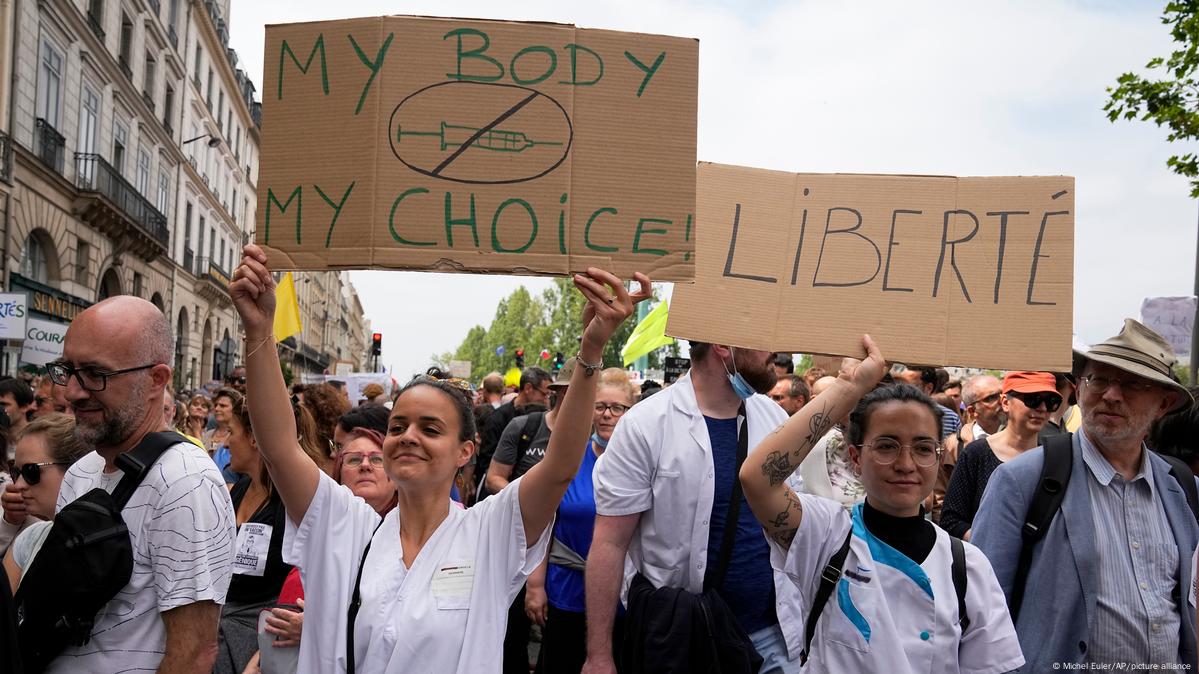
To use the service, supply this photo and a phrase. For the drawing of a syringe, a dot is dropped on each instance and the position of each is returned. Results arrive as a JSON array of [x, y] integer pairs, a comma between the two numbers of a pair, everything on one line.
[[496, 140]]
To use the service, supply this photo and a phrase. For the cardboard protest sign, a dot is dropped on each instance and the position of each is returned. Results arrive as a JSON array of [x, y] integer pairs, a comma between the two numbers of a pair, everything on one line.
[[1173, 318], [477, 146], [973, 272]]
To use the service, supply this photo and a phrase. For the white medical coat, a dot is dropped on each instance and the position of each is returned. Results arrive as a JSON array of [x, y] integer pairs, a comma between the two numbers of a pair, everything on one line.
[[890, 614], [448, 613]]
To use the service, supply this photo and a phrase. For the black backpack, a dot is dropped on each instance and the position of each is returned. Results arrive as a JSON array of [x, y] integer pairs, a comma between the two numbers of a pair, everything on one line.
[[1047, 500], [86, 559]]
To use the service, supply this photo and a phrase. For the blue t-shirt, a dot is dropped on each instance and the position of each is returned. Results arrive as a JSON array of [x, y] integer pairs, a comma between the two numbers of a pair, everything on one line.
[[223, 458], [574, 526], [749, 582]]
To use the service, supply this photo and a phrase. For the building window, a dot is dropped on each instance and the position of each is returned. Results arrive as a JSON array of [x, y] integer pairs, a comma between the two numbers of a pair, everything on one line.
[[208, 94], [200, 248], [49, 95], [143, 171], [83, 255], [148, 82], [33, 260], [137, 284], [120, 141], [187, 227], [164, 188], [124, 55], [220, 112]]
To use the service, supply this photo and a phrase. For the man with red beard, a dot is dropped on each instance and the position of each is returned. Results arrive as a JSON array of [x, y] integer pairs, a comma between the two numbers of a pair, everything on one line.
[[663, 491], [1108, 583]]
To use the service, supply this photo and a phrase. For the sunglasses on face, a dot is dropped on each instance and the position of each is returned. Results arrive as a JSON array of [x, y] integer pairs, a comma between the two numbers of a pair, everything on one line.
[[1032, 401], [32, 472], [989, 400]]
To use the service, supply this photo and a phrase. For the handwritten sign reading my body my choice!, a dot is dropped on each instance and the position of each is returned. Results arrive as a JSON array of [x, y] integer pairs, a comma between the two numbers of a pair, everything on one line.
[[975, 272], [479, 146]]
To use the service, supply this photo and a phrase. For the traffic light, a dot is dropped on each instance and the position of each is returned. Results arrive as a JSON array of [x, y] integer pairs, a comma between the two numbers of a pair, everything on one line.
[[559, 361], [377, 344], [520, 358]]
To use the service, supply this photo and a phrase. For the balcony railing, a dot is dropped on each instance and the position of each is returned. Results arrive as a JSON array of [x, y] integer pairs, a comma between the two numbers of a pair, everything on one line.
[[97, 175], [50, 145], [93, 22], [189, 259], [209, 270], [149, 100], [5, 157]]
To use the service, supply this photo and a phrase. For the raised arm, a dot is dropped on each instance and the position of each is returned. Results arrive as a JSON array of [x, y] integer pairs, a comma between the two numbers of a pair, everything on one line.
[[294, 475], [542, 487], [765, 471]]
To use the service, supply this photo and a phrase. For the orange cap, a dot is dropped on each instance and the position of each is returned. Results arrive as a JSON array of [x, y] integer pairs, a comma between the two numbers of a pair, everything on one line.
[[1029, 382]]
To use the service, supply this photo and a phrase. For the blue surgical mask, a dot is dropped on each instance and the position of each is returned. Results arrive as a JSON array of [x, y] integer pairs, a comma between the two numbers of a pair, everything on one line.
[[598, 441], [740, 387]]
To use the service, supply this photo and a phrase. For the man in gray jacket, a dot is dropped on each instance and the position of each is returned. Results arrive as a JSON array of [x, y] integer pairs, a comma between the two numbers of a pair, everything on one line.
[[1109, 582]]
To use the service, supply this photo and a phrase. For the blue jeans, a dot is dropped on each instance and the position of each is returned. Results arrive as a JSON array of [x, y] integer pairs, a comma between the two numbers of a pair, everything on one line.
[[772, 647]]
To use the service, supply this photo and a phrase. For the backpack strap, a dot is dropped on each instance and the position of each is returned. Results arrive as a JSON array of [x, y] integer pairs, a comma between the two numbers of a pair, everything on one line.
[[716, 579], [1051, 489], [828, 582], [960, 582], [136, 463], [356, 602], [1181, 472], [527, 433]]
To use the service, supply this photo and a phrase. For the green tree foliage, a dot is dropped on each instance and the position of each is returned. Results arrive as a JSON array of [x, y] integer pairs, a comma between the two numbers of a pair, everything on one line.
[[552, 321], [1172, 101]]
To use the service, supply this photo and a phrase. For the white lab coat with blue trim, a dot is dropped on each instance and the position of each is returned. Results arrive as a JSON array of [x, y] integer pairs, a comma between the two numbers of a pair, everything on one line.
[[889, 613]]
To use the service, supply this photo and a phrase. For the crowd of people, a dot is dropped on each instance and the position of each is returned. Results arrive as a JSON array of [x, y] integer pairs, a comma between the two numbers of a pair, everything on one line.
[[744, 518]]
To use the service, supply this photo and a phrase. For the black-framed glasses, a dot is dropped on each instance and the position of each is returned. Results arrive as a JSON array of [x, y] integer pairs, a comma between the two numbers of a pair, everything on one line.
[[615, 408], [90, 378], [925, 453], [32, 472], [1032, 401]]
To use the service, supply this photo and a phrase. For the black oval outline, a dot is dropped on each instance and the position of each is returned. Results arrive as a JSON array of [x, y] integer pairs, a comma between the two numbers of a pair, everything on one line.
[[565, 153]]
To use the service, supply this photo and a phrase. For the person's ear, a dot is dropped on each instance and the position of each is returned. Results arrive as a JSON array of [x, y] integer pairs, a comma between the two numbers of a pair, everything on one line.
[[467, 451]]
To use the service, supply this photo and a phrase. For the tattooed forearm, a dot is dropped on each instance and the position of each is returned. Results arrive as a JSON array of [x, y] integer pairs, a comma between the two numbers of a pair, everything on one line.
[[783, 526], [776, 468]]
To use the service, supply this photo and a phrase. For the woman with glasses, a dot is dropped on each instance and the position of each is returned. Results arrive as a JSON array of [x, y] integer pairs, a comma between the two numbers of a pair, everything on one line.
[[878, 582], [1028, 399], [45, 449], [554, 597], [426, 588]]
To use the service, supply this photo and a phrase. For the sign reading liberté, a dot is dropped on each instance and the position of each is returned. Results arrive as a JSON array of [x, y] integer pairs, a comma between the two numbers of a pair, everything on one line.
[[972, 272], [477, 146], [14, 311]]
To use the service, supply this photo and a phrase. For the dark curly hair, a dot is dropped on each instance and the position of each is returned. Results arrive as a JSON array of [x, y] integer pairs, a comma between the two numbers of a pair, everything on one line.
[[859, 418], [326, 404]]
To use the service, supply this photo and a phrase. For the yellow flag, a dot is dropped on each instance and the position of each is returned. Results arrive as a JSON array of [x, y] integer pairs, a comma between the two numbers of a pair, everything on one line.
[[287, 309], [650, 334], [512, 377]]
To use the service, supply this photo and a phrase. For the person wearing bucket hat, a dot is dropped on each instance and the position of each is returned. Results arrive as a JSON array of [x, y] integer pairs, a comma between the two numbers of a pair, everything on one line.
[[1103, 584]]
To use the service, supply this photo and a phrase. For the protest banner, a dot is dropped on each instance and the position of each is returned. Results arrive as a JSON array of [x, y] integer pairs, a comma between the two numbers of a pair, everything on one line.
[[43, 341], [477, 146], [1173, 318], [673, 368], [974, 272], [14, 309]]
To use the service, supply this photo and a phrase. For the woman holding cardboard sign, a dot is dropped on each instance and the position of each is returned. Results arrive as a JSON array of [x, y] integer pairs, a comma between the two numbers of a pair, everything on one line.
[[427, 587], [885, 589]]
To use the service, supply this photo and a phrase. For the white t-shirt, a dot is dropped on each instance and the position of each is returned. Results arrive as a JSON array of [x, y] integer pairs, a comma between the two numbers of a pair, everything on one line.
[[182, 528], [448, 613], [888, 613]]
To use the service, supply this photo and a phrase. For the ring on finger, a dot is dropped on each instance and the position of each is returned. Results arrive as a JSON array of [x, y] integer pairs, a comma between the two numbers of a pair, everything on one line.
[[611, 299]]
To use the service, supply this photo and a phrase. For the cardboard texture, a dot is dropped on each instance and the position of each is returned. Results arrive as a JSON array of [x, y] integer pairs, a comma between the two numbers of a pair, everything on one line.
[[477, 146], [972, 272]]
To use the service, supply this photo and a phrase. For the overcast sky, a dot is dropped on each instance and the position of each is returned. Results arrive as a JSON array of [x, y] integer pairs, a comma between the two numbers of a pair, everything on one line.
[[947, 88]]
